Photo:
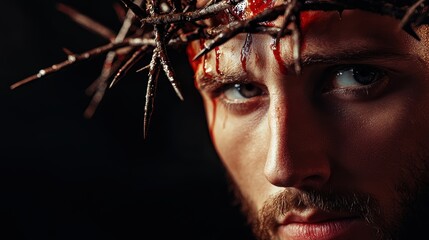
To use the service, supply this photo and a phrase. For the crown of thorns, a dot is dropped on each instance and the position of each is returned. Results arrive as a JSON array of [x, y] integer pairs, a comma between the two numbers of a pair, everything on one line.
[[152, 26]]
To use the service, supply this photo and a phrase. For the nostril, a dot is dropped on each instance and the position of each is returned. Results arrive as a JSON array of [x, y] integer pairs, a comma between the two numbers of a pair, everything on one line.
[[315, 181], [298, 172]]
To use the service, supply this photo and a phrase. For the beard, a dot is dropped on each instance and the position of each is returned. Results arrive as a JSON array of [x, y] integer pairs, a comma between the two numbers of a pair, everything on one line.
[[410, 216]]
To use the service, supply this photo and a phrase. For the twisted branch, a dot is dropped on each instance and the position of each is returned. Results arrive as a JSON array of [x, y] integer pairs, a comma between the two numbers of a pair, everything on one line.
[[179, 22]]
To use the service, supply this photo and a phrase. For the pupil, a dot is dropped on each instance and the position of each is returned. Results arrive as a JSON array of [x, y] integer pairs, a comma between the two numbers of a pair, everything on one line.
[[247, 90], [364, 76], [248, 87]]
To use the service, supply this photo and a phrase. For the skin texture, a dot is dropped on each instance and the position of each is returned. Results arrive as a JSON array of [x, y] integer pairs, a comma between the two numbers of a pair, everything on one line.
[[321, 155]]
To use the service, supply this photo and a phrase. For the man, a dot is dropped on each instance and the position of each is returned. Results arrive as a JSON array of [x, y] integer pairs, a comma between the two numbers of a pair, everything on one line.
[[322, 125], [337, 151]]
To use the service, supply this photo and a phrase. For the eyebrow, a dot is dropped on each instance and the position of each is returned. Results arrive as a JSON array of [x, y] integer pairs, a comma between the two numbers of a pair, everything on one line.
[[356, 56], [212, 82]]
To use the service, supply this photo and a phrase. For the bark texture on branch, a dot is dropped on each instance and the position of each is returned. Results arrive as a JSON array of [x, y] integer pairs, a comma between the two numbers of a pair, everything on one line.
[[158, 25]]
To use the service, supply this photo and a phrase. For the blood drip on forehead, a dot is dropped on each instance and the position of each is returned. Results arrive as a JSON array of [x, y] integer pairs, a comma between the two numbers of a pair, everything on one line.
[[242, 11], [257, 6]]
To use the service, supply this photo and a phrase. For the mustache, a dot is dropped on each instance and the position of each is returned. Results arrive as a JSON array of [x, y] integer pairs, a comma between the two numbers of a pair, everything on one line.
[[357, 204], [288, 200]]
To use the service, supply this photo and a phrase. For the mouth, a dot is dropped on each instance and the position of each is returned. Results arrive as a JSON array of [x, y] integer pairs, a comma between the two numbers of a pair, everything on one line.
[[312, 225]]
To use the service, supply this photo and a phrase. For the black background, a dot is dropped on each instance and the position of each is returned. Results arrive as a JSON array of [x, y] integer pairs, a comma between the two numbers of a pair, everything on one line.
[[63, 176]]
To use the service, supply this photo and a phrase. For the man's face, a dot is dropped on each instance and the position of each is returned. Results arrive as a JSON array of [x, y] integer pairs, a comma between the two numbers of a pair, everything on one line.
[[337, 152]]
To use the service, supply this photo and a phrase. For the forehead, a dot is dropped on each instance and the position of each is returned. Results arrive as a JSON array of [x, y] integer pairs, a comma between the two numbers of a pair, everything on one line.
[[312, 23], [326, 35]]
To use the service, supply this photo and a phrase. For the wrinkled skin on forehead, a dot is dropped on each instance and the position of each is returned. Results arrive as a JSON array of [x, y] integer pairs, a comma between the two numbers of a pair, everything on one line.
[[351, 130]]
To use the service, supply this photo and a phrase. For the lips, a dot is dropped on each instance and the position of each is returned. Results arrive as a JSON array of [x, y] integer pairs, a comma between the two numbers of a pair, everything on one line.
[[314, 224]]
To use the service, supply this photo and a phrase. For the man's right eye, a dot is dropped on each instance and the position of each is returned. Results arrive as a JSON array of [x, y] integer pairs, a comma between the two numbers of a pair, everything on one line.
[[355, 82], [241, 92]]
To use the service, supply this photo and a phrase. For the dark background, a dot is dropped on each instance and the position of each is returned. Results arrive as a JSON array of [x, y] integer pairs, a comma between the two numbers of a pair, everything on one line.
[[63, 176]]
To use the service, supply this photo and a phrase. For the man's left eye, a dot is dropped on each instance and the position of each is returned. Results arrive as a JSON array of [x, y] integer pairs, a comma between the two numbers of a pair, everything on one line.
[[355, 77], [238, 92]]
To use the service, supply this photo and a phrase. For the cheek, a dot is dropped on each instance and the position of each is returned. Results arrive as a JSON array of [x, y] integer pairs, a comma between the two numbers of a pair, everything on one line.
[[376, 141], [392, 142], [242, 145]]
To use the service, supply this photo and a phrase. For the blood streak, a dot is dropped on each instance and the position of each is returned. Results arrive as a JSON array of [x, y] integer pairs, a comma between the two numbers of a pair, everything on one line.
[[245, 51], [244, 10], [275, 46], [257, 6], [308, 18], [191, 52]]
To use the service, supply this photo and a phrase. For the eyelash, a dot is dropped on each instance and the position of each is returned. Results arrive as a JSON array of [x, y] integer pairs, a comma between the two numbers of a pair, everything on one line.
[[239, 107], [350, 93]]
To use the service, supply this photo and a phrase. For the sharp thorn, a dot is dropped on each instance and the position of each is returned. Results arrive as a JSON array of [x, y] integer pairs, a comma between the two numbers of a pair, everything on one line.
[[201, 53]]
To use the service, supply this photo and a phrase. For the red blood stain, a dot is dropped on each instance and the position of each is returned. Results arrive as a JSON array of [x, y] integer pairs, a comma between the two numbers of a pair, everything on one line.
[[244, 10], [277, 55], [192, 52], [258, 6], [308, 18], [245, 51]]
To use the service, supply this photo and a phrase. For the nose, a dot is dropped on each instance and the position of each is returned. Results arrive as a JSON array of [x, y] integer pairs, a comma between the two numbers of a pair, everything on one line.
[[297, 155]]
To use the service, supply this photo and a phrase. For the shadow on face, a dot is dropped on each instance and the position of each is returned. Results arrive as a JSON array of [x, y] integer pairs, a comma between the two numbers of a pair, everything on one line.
[[353, 121]]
